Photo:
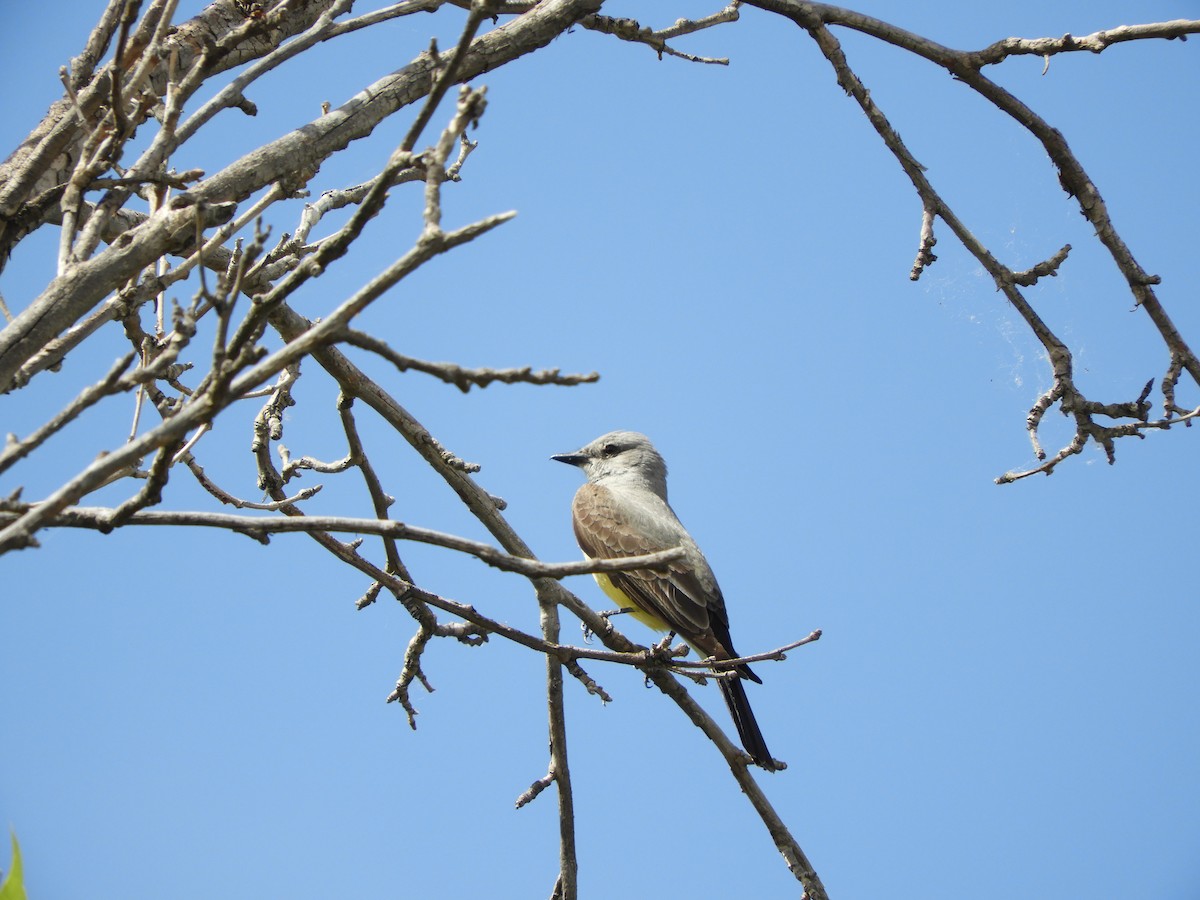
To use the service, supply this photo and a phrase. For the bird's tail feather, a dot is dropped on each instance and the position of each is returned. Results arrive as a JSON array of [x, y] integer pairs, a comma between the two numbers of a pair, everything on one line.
[[734, 693]]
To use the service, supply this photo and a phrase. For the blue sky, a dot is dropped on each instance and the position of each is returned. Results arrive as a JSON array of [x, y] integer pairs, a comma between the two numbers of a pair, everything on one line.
[[1003, 700]]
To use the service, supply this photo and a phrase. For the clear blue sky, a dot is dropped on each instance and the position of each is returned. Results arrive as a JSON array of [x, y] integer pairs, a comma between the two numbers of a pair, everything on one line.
[[1004, 701]]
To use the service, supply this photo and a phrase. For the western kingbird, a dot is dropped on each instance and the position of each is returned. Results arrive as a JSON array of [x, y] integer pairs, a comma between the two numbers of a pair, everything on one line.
[[622, 510]]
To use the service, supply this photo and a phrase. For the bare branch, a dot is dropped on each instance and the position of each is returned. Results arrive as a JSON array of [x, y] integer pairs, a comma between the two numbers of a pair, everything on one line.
[[925, 257], [111, 383], [113, 267], [814, 18], [76, 292], [94, 517], [1092, 43], [464, 379], [534, 790], [631, 30], [779, 654], [795, 858], [379, 499], [1050, 267], [412, 672]]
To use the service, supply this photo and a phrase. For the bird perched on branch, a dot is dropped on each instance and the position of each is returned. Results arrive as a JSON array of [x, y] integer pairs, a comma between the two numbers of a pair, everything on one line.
[[622, 510]]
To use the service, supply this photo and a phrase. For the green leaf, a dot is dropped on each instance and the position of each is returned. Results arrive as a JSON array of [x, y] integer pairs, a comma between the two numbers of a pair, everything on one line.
[[13, 886]]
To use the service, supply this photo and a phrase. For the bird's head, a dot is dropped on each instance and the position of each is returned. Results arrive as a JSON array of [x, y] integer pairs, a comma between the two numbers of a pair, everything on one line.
[[620, 455]]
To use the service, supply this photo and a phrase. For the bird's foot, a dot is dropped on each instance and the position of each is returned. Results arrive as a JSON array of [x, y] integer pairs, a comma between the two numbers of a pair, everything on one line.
[[605, 614]]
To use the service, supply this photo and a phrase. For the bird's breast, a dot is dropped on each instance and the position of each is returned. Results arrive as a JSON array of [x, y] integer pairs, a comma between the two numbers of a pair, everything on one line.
[[624, 601]]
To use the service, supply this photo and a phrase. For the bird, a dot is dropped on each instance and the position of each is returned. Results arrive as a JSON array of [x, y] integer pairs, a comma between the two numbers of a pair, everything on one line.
[[622, 510]]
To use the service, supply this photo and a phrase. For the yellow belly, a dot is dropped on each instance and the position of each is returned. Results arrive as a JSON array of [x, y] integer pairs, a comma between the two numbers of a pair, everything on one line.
[[624, 601]]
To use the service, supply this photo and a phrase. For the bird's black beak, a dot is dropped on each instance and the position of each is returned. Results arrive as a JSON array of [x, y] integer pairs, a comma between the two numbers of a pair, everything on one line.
[[571, 459]]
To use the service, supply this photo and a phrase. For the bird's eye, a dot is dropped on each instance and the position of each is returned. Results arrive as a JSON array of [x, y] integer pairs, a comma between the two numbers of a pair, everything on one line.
[[610, 450]]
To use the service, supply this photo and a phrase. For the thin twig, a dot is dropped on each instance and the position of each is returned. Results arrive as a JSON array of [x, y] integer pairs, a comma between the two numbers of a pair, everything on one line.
[[462, 378], [92, 517], [631, 30]]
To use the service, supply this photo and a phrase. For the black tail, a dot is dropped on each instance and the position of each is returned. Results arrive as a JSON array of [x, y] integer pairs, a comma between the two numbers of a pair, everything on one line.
[[747, 727]]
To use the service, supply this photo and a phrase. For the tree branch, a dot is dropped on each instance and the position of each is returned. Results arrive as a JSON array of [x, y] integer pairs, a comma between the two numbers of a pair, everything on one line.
[[814, 18]]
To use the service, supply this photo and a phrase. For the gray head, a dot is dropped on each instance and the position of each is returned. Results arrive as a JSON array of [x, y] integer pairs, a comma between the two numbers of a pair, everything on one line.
[[623, 456]]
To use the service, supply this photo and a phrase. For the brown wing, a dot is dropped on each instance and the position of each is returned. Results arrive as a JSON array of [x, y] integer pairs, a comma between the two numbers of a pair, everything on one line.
[[685, 595], [675, 595]]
